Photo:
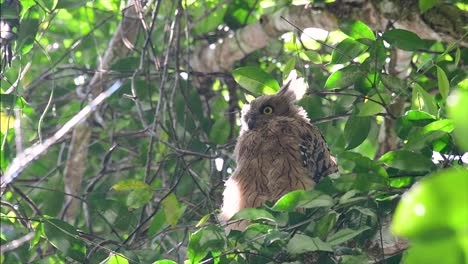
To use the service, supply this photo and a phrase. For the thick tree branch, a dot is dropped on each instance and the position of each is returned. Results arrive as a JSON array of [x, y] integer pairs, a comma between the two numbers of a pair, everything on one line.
[[441, 23], [120, 44]]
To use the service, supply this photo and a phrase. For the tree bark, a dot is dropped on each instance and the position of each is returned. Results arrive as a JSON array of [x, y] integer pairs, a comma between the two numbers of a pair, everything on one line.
[[77, 161], [441, 23]]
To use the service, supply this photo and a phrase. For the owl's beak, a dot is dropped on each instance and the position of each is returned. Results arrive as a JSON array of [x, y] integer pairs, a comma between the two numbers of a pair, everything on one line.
[[250, 122]]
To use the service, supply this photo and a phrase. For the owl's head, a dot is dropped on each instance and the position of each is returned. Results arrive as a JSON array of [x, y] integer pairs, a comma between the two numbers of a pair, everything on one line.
[[268, 107]]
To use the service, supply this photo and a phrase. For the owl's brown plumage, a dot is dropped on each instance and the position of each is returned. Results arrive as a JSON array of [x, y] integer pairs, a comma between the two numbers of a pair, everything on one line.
[[278, 151]]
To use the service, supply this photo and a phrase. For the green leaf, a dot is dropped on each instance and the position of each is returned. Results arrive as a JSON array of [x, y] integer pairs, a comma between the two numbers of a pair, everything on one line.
[[116, 259], [288, 67], [425, 5], [359, 259], [347, 50], [457, 56], [401, 182], [27, 34], [204, 240], [11, 101], [6, 122], [300, 243], [449, 250], [165, 261], [219, 132], [303, 199], [344, 235], [356, 130], [377, 56], [138, 198], [131, 185], [458, 111], [325, 224], [158, 223], [356, 29], [443, 82], [428, 134], [423, 101], [65, 238], [255, 80], [139, 192], [407, 160], [414, 115], [312, 56], [445, 125], [203, 220], [370, 107], [254, 214], [37, 237], [434, 208], [172, 209], [403, 39], [344, 77]]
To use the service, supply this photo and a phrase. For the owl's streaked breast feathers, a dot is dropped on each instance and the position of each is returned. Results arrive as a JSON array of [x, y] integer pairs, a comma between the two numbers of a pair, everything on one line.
[[278, 151]]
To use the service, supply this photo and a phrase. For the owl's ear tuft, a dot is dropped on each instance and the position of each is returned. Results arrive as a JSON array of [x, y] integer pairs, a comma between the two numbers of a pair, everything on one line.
[[294, 88]]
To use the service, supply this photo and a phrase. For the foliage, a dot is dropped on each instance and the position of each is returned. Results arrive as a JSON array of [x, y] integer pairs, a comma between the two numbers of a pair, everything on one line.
[[161, 145]]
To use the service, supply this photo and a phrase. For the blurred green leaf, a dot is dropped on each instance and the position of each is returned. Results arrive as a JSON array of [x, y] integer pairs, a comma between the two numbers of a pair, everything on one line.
[[300, 243], [344, 77], [356, 29], [347, 50], [444, 85], [425, 5], [116, 259], [65, 238], [255, 80], [312, 56], [356, 130], [403, 39], [219, 132], [69, 4], [302, 199], [458, 111], [445, 250], [209, 238], [288, 67], [407, 160], [344, 235], [27, 34], [434, 208]]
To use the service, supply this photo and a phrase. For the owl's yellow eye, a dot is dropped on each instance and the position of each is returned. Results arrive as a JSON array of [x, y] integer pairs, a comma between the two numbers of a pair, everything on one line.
[[267, 110]]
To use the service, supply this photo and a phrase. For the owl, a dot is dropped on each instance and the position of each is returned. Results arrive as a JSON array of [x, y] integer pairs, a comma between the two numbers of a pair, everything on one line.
[[278, 151]]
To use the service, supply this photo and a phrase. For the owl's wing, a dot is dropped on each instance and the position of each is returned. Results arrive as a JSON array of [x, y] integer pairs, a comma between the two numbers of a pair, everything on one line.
[[316, 155]]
